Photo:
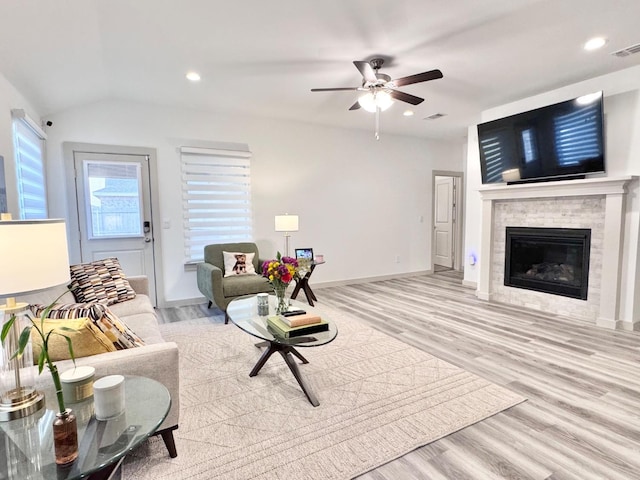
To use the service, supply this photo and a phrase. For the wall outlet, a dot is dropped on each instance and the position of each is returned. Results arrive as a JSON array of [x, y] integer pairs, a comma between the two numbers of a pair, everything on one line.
[[397, 258]]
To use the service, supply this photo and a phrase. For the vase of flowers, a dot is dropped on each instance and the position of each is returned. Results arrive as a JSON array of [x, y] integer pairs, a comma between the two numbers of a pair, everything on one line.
[[65, 428], [280, 272]]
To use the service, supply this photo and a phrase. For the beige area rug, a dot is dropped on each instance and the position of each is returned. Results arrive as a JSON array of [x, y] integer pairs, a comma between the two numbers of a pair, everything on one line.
[[379, 399]]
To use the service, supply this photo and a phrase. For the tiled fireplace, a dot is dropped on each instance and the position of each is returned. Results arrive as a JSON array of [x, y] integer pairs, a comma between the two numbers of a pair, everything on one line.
[[595, 206]]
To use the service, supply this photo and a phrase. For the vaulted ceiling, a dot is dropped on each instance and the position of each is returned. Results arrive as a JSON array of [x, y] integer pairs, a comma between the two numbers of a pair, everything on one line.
[[262, 58]]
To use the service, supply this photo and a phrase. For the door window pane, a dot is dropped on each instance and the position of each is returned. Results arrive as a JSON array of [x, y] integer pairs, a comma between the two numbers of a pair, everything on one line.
[[113, 194]]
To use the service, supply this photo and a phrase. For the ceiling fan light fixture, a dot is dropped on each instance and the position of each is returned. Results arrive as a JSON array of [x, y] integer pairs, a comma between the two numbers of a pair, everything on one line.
[[193, 76], [370, 101]]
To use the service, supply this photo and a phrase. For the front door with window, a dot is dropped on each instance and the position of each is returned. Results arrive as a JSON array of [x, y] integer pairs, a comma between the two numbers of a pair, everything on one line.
[[114, 211]]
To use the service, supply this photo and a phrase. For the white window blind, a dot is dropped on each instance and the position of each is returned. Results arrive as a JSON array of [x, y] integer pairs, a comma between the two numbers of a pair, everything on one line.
[[29, 155], [216, 198]]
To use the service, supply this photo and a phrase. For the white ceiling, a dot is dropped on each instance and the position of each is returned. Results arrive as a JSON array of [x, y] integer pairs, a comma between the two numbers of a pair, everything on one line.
[[262, 58]]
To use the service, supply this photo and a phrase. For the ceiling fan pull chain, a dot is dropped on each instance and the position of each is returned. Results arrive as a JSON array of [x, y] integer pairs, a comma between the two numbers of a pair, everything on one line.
[[377, 123]]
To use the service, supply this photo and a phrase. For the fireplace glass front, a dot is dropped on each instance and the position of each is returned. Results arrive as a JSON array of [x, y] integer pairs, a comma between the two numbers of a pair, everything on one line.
[[550, 260]]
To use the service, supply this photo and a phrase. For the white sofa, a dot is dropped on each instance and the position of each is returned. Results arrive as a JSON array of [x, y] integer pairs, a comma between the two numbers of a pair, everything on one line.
[[157, 359]]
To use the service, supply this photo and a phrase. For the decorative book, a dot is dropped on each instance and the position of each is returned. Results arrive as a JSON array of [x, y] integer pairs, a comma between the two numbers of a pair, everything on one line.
[[300, 320], [285, 331]]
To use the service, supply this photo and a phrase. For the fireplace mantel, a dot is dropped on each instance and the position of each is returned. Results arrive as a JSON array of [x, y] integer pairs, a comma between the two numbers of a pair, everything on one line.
[[562, 188], [613, 189]]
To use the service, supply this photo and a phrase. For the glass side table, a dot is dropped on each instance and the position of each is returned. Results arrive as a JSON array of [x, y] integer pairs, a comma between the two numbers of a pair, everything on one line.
[[26, 444]]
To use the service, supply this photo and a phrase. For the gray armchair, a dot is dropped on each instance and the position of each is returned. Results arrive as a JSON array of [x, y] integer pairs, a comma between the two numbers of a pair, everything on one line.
[[221, 290]]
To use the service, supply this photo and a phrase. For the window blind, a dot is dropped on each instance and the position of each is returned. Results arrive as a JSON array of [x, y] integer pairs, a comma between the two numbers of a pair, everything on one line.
[[216, 198], [29, 155]]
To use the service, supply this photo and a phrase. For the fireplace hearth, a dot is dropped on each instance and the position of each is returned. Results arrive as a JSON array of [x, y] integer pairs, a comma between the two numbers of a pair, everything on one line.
[[549, 260]]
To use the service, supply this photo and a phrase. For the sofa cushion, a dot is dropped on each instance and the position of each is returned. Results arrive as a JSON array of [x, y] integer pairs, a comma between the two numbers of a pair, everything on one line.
[[102, 317], [238, 263], [86, 339], [140, 304], [100, 281], [146, 327], [245, 285]]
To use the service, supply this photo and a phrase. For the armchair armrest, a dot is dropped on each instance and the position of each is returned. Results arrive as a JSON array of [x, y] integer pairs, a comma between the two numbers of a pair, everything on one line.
[[210, 283]]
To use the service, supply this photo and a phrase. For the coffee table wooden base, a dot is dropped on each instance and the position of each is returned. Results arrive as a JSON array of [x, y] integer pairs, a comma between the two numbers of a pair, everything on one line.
[[287, 352]]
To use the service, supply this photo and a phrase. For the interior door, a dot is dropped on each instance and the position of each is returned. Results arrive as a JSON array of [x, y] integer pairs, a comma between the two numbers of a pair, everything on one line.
[[443, 221], [113, 196]]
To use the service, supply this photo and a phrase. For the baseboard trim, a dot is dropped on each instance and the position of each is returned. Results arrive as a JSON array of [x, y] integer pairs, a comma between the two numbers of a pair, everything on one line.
[[184, 302], [355, 281], [469, 283]]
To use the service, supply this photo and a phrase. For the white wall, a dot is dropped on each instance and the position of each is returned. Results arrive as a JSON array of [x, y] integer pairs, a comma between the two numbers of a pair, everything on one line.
[[359, 200], [622, 143], [11, 98]]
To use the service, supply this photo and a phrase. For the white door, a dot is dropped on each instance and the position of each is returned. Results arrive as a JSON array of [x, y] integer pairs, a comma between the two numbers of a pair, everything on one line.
[[113, 197], [443, 221]]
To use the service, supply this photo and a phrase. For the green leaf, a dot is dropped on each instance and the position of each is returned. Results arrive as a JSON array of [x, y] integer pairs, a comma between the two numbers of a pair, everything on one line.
[[70, 345], [6, 327], [23, 341], [67, 329], [41, 360]]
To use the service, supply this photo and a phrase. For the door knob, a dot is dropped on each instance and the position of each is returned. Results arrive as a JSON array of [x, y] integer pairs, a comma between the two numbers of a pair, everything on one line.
[[147, 240]]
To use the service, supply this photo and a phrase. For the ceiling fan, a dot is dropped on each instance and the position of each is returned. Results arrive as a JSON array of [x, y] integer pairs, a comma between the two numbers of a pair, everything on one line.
[[380, 90]]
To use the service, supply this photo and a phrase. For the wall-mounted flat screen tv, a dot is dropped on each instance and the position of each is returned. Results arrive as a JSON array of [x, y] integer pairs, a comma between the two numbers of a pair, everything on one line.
[[555, 142]]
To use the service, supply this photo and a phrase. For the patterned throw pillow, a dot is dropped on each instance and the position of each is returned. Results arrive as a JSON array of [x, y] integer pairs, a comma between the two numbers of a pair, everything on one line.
[[104, 319], [238, 263], [100, 281]]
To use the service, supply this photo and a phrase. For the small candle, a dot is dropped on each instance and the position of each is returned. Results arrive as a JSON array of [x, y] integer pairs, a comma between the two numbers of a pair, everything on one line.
[[108, 397]]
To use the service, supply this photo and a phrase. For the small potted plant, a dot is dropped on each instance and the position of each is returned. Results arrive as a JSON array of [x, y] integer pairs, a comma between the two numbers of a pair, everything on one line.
[[65, 428]]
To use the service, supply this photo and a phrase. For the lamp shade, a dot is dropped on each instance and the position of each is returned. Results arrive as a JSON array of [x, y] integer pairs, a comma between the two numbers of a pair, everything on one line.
[[286, 223], [33, 256]]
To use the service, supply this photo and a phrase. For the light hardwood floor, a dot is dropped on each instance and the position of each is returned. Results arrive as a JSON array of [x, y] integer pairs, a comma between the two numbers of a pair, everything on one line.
[[582, 417]]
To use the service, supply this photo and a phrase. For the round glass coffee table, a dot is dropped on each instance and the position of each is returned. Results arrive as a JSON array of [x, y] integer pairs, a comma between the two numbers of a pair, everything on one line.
[[26, 444], [243, 312]]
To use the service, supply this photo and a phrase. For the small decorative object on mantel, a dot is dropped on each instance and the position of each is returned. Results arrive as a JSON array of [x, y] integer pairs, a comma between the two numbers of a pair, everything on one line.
[[280, 273]]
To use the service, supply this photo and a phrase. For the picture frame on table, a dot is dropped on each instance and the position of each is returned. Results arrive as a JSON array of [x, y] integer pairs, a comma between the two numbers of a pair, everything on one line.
[[304, 254]]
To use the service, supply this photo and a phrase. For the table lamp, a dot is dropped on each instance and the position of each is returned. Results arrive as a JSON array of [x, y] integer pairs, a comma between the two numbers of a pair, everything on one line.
[[286, 223], [33, 257]]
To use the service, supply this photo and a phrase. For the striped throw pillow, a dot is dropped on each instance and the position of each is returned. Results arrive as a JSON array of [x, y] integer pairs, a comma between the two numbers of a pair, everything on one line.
[[100, 281]]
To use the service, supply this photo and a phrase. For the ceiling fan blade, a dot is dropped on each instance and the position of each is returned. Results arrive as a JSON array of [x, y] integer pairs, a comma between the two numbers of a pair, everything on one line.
[[366, 70], [405, 97], [419, 77], [355, 106], [334, 89]]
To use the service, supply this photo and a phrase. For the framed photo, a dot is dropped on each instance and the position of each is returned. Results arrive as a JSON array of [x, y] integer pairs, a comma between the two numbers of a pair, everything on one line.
[[304, 254]]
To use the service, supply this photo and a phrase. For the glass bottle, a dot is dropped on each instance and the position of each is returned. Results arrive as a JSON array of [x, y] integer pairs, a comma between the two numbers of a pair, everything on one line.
[[65, 437]]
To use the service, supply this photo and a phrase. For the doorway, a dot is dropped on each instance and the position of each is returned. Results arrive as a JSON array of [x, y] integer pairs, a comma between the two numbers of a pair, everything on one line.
[[111, 198], [447, 221]]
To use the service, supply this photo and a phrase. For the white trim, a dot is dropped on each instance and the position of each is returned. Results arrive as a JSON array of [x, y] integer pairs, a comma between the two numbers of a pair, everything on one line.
[[561, 188], [20, 114], [355, 281], [215, 151]]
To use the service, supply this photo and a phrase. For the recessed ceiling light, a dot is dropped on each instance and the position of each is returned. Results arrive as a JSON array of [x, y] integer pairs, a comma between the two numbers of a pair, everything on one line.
[[595, 43], [193, 76], [408, 113]]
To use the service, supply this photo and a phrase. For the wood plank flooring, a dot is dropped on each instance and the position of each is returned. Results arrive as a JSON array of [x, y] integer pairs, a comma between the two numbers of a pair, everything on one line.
[[582, 417]]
